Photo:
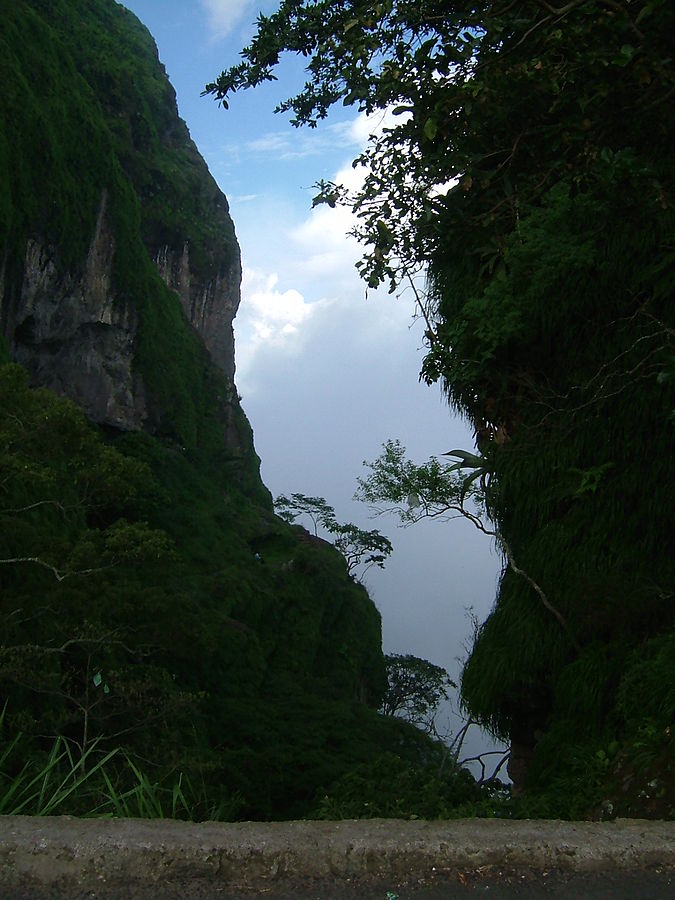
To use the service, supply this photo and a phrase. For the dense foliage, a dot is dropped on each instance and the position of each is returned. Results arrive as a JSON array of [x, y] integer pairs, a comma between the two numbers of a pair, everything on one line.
[[135, 614], [87, 110], [168, 645], [361, 549], [528, 172]]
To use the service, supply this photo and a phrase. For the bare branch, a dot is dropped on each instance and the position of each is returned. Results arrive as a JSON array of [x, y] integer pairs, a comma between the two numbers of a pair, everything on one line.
[[21, 509], [57, 573], [480, 759], [455, 746], [537, 589], [419, 303]]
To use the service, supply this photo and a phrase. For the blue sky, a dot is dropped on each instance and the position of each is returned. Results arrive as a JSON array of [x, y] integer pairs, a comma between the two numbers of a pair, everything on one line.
[[326, 375]]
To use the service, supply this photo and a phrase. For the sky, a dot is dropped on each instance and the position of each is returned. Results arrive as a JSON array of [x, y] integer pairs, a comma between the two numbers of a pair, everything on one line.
[[326, 374]]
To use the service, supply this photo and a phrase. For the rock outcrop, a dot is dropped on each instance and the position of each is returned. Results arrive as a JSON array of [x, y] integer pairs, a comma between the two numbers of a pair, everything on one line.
[[209, 307], [72, 334], [86, 324]]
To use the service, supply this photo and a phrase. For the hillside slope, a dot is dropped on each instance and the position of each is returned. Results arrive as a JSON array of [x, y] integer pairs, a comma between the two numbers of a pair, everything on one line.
[[151, 602]]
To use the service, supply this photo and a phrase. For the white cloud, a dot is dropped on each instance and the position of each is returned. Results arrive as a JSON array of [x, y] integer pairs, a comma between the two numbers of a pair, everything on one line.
[[269, 320], [225, 15], [273, 314], [243, 198], [324, 246], [324, 298], [323, 295], [277, 143], [351, 134], [289, 143], [366, 125], [329, 227]]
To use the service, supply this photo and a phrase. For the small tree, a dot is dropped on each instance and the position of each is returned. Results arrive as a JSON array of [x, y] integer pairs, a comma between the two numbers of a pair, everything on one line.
[[438, 490], [316, 508], [433, 490], [415, 689], [359, 547]]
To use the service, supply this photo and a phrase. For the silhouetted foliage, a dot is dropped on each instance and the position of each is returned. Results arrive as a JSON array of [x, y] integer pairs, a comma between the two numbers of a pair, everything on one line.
[[525, 169], [415, 688]]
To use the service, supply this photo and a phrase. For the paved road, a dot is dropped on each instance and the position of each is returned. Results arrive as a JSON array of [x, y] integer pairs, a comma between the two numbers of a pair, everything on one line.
[[497, 885]]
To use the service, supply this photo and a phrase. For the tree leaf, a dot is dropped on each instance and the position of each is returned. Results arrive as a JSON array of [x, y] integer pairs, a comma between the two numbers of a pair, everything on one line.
[[430, 128]]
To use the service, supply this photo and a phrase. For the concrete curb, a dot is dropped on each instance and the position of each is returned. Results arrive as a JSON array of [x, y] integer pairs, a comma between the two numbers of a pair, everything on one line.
[[63, 851]]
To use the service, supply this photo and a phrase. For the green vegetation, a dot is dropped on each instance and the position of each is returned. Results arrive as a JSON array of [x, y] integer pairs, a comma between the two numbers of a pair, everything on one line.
[[357, 546], [415, 688], [168, 646], [62, 781], [136, 617], [528, 174], [391, 788], [87, 114]]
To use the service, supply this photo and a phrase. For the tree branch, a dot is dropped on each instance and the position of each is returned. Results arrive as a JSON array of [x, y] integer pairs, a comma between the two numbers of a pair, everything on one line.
[[21, 509], [57, 573], [542, 596], [479, 758]]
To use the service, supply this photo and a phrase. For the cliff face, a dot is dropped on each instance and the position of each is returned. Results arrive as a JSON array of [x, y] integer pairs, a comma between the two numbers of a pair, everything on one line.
[[72, 336], [210, 308], [107, 221], [119, 281]]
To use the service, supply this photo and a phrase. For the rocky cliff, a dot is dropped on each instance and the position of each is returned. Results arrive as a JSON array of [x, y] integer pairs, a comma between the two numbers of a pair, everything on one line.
[[69, 333], [118, 252], [139, 539]]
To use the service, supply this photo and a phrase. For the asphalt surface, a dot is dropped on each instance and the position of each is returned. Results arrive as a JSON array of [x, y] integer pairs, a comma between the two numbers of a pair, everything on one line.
[[496, 885], [58, 858]]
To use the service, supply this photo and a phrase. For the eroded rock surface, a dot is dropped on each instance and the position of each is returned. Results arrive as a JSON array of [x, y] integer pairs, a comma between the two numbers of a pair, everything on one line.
[[74, 336]]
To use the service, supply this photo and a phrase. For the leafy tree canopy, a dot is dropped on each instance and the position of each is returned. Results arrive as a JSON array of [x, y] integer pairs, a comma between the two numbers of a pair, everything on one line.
[[435, 489], [358, 546], [524, 163], [317, 509], [415, 688], [492, 104], [66, 497]]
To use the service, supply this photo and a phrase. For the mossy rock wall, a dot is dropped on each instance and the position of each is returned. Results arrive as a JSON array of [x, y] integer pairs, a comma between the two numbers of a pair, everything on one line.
[[144, 578]]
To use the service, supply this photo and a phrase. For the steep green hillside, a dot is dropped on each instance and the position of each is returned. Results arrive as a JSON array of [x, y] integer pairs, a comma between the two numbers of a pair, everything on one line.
[[150, 601], [128, 563], [87, 112], [528, 170]]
